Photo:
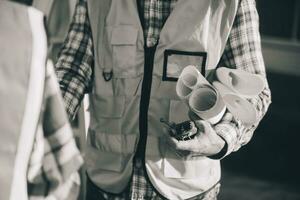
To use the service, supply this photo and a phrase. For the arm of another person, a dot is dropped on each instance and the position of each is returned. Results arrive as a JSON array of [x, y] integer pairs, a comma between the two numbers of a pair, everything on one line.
[[55, 159], [75, 63]]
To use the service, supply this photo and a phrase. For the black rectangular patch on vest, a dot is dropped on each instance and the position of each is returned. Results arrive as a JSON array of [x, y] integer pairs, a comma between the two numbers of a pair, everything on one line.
[[175, 61]]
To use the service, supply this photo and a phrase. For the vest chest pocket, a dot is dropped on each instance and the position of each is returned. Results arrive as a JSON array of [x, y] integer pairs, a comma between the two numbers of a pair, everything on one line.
[[123, 41], [175, 61]]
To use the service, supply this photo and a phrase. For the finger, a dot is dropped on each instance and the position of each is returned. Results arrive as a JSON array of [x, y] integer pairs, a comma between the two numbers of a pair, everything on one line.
[[204, 126], [185, 145], [200, 125], [174, 143], [208, 128]]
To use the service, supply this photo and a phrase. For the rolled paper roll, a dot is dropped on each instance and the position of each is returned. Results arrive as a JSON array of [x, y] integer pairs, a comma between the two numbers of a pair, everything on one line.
[[206, 102], [239, 107], [189, 79], [222, 89], [183, 91], [192, 70], [241, 82]]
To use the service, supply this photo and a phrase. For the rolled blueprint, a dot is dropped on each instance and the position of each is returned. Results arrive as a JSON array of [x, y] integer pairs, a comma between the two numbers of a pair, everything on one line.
[[239, 107], [189, 79], [183, 91], [206, 102], [243, 83]]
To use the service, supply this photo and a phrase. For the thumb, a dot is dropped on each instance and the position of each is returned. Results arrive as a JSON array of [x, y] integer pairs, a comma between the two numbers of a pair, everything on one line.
[[203, 126]]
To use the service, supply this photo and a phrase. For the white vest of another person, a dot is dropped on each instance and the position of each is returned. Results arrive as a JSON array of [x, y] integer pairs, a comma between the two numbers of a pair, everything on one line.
[[23, 54]]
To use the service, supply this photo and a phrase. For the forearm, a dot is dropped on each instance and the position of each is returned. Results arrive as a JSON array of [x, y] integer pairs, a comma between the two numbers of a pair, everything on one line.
[[234, 132], [243, 51], [261, 103], [75, 63], [55, 159]]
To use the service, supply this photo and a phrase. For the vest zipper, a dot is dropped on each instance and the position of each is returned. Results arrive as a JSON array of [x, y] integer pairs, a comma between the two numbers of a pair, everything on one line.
[[144, 107], [145, 100]]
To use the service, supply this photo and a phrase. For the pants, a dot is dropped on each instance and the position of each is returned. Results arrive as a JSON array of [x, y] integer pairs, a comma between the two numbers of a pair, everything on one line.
[[94, 193]]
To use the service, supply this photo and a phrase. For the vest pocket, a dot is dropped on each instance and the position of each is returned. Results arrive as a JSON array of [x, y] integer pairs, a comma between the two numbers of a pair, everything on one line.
[[178, 111], [109, 152], [101, 160], [108, 148], [175, 61], [177, 166], [108, 106], [123, 41]]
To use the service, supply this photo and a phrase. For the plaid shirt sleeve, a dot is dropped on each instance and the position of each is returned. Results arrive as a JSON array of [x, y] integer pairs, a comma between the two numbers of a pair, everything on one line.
[[75, 63], [55, 159], [243, 51]]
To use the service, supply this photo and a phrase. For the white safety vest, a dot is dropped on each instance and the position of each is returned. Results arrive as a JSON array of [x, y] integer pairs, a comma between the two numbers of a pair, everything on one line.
[[128, 98], [22, 75]]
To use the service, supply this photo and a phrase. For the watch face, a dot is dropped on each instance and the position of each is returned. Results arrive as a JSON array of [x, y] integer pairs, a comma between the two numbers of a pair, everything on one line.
[[175, 61]]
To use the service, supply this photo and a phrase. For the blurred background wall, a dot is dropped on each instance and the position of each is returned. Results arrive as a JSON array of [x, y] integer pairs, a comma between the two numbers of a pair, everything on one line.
[[274, 151], [268, 167]]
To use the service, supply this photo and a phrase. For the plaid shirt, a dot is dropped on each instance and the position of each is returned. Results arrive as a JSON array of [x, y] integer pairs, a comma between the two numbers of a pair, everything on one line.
[[155, 15], [242, 51], [55, 159]]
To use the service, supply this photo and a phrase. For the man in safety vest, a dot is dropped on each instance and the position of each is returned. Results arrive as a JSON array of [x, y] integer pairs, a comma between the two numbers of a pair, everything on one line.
[[120, 52], [38, 155]]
